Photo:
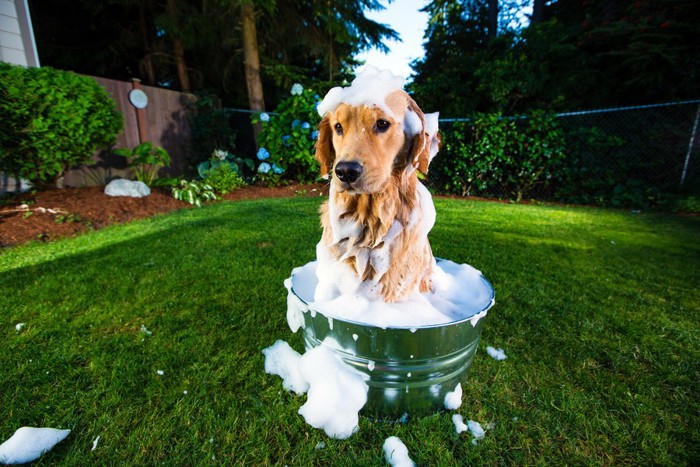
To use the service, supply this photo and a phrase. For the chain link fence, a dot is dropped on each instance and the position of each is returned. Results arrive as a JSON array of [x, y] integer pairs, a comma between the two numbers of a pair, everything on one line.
[[632, 157]]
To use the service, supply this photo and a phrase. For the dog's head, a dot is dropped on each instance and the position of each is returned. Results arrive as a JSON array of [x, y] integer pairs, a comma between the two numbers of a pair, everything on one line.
[[364, 145]]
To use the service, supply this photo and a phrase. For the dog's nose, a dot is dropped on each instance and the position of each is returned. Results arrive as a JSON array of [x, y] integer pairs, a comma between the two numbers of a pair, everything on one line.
[[348, 172]]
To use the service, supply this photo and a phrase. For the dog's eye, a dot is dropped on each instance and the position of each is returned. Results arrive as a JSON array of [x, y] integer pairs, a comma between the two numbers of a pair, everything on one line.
[[382, 126], [338, 129]]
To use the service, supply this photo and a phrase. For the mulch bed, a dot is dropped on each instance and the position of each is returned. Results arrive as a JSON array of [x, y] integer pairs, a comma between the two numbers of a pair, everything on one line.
[[52, 214]]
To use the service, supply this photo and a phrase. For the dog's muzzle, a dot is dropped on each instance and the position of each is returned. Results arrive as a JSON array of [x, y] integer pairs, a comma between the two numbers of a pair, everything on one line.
[[348, 172]]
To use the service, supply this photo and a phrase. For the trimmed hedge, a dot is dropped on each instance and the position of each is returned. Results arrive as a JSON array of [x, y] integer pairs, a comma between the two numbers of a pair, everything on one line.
[[51, 120]]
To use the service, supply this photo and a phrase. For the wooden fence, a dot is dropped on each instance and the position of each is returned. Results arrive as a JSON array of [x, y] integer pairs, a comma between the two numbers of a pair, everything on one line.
[[163, 122]]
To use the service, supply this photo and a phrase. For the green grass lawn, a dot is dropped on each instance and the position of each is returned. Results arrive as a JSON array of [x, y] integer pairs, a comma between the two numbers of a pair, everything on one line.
[[597, 311]]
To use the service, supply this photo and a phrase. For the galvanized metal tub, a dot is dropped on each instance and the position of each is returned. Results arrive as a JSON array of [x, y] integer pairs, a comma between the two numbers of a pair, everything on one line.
[[409, 371]]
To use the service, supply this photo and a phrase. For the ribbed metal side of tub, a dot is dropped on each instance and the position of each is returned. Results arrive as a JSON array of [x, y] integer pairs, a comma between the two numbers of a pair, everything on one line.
[[408, 371]]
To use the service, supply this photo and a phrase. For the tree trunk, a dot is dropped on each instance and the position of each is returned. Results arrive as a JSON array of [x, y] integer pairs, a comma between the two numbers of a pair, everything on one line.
[[251, 60], [537, 7], [179, 52], [146, 61], [493, 18]]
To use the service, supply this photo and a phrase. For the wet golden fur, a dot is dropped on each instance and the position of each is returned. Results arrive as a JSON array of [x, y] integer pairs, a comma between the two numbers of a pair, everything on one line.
[[384, 194]]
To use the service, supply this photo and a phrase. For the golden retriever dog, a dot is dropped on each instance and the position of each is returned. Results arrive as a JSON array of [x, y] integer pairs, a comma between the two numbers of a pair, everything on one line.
[[378, 214]]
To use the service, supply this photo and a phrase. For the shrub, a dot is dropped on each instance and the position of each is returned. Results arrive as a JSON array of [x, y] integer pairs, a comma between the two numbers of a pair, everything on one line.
[[536, 150], [223, 179], [146, 160], [52, 120], [287, 139], [463, 166], [496, 155], [592, 167]]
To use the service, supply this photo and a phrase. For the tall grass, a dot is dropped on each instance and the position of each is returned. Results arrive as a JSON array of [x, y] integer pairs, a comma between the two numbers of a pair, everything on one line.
[[597, 311]]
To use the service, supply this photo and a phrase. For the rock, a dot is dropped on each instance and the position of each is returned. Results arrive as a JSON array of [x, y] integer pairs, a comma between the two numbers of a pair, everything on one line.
[[121, 187]]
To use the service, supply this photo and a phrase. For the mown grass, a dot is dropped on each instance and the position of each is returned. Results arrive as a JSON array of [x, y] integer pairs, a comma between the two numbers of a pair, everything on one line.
[[597, 311]]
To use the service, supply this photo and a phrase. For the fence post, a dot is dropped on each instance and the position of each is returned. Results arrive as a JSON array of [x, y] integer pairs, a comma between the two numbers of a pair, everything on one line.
[[141, 121], [690, 146]]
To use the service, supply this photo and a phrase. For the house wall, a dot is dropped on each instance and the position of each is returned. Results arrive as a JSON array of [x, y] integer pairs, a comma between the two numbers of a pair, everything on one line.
[[17, 44]]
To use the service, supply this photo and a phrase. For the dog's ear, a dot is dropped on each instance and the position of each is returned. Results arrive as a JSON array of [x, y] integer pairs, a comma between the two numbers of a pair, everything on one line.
[[426, 142], [420, 150], [325, 154]]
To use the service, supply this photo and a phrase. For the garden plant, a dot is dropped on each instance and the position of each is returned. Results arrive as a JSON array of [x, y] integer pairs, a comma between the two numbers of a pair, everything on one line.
[[288, 137], [52, 120], [145, 160]]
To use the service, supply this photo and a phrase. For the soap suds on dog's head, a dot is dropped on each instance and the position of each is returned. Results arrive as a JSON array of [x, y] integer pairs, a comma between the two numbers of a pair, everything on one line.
[[369, 88]]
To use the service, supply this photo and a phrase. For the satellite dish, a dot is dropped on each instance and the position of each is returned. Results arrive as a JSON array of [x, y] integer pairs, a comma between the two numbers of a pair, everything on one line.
[[138, 98]]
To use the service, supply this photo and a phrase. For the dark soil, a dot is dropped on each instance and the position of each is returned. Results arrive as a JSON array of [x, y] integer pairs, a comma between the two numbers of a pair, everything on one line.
[[48, 215]]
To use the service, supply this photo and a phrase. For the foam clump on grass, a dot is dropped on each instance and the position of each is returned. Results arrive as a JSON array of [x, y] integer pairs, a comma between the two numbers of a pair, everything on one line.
[[496, 354], [476, 430], [283, 361], [336, 392], [453, 399], [460, 426], [396, 453], [28, 444]]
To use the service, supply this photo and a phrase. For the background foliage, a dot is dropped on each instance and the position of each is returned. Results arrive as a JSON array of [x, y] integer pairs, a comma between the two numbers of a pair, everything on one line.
[[576, 55], [496, 153], [288, 136], [52, 119]]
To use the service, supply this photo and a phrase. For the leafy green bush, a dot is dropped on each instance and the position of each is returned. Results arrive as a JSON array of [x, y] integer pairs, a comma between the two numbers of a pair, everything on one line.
[[287, 139], [52, 120], [463, 166], [223, 179], [193, 192], [535, 152], [145, 160], [496, 155], [592, 168]]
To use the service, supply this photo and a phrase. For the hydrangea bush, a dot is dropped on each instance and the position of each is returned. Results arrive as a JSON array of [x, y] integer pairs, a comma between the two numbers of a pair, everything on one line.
[[287, 139]]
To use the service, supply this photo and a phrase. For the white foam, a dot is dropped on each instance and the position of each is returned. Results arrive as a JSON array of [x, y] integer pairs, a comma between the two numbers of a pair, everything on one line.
[[295, 308], [431, 128], [369, 88], [94, 443], [336, 391], [427, 208], [496, 354], [283, 361], [453, 399], [460, 293], [460, 426], [396, 453], [412, 123], [28, 444], [477, 431]]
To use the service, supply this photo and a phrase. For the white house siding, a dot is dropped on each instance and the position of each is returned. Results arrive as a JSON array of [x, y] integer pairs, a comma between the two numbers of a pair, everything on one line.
[[17, 44]]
